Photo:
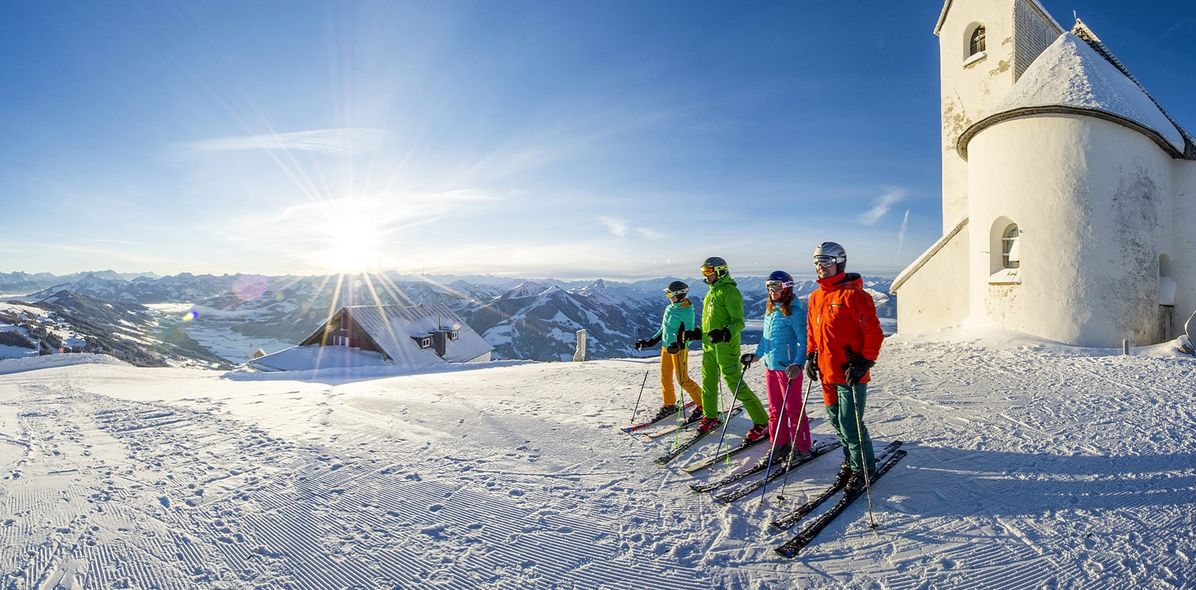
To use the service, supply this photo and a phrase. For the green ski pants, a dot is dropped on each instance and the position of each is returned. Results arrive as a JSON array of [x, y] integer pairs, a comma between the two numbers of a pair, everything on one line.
[[724, 358]]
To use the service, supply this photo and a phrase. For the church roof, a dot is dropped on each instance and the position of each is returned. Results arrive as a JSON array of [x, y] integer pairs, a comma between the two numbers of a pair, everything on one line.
[[1077, 75]]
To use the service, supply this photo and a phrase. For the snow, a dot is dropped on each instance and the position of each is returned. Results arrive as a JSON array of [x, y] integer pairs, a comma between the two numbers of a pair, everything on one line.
[[1030, 465], [314, 357], [8, 351], [1071, 73]]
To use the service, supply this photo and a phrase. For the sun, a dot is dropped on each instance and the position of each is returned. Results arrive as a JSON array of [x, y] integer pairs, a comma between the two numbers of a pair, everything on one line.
[[349, 239], [351, 253]]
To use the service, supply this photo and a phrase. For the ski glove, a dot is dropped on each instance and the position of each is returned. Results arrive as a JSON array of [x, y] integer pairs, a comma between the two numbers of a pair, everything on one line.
[[747, 359], [812, 365], [642, 344], [792, 371], [856, 367], [720, 335], [673, 348], [694, 334]]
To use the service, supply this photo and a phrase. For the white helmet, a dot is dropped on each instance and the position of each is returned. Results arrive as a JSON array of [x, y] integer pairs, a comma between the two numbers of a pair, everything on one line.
[[831, 252]]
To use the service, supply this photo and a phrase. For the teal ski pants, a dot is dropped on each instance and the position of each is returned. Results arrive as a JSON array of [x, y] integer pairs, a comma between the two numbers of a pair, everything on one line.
[[846, 413], [724, 358]]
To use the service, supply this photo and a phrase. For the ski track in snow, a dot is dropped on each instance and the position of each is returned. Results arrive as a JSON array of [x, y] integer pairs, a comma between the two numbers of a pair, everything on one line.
[[1029, 467]]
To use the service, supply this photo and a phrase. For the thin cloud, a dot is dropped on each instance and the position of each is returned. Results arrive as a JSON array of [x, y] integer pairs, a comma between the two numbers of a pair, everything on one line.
[[651, 234], [881, 206], [341, 141], [901, 233], [616, 226]]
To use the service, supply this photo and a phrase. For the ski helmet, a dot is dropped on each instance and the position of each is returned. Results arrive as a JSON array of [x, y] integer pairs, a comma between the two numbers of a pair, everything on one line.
[[781, 281], [676, 289], [714, 266], [829, 252]]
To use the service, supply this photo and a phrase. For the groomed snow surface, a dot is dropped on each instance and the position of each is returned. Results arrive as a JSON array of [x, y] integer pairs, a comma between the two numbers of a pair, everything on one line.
[[1030, 466]]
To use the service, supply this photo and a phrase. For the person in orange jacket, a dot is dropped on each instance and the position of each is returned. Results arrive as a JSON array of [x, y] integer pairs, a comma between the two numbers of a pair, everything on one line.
[[844, 339]]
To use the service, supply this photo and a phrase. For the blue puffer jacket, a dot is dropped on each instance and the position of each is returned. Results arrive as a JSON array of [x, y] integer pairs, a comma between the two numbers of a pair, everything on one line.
[[784, 339]]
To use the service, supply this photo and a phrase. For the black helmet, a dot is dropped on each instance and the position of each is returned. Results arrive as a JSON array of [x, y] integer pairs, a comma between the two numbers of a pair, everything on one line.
[[714, 266], [831, 252], [676, 289]]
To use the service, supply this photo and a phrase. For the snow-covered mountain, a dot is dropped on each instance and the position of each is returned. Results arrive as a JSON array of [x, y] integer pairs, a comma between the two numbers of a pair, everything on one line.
[[528, 319], [74, 322]]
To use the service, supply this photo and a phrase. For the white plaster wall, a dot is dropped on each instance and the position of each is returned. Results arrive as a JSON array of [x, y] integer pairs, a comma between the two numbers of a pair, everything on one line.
[[968, 92], [936, 295], [1093, 202], [1183, 256]]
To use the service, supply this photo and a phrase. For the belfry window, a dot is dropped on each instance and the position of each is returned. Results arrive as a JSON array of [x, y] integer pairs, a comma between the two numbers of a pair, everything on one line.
[[976, 44]]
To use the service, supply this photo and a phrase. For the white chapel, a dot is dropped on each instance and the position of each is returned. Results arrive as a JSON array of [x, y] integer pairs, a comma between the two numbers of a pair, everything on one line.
[[1069, 192]]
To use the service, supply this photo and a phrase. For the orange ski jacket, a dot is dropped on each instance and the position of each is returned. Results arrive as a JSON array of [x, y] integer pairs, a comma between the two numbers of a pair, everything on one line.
[[842, 314]]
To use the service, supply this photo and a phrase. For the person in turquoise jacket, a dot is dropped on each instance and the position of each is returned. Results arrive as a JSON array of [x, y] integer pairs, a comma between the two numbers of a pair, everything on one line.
[[783, 350], [722, 322], [678, 319]]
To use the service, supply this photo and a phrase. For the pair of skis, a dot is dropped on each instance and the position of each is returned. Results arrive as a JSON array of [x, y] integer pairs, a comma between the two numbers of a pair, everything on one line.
[[694, 439], [644, 425], [779, 469], [888, 457]]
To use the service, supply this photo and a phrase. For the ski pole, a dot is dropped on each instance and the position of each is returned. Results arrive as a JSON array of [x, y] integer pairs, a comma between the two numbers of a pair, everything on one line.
[[637, 398], [859, 436], [800, 415], [776, 432], [734, 398]]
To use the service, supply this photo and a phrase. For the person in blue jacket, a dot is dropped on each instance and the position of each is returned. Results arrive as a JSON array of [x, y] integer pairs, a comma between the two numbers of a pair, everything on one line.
[[783, 350], [678, 318]]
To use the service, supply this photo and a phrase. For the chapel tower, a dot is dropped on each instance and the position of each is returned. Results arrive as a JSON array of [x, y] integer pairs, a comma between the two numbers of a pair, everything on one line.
[[984, 46]]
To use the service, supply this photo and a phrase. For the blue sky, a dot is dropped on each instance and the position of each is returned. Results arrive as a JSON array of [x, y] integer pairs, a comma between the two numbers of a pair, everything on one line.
[[566, 139]]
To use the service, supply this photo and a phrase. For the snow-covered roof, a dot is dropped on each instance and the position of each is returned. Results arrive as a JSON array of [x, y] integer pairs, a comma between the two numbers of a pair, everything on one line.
[[392, 328], [1071, 76]]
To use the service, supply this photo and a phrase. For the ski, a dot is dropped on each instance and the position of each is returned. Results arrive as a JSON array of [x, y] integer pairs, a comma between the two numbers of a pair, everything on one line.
[[643, 425], [735, 476], [787, 521], [778, 471], [723, 456], [791, 547], [691, 441]]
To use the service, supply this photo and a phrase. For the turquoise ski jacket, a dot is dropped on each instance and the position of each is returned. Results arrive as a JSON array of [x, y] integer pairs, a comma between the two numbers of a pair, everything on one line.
[[675, 315]]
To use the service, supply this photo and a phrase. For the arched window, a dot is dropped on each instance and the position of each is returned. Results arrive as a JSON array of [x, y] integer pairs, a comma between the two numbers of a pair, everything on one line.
[[976, 44], [1010, 250]]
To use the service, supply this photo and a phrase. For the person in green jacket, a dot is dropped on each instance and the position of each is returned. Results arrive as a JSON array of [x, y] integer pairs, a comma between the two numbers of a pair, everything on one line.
[[722, 321]]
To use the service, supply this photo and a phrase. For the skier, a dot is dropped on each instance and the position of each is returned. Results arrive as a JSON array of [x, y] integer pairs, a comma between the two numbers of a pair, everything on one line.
[[783, 351], [722, 321], [844, 340], [678, 318]]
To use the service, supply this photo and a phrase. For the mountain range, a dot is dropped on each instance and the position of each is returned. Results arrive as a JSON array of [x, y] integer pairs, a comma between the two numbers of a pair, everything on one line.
[[204, 319]]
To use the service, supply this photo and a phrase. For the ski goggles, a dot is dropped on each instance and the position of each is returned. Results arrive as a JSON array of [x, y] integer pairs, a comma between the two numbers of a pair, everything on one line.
[[708, 270], [678, 293], [824, 261], [775, 285]]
